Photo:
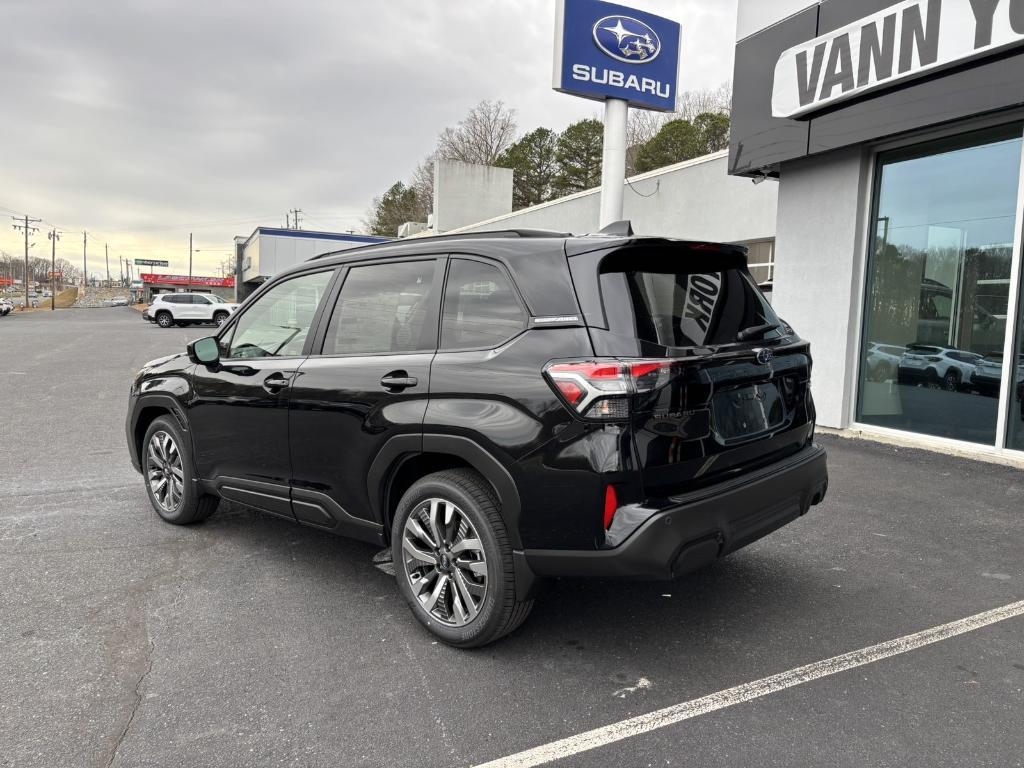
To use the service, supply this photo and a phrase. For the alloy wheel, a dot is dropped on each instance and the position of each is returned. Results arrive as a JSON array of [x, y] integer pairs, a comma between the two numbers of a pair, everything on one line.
[[164, 471], [444, 561]]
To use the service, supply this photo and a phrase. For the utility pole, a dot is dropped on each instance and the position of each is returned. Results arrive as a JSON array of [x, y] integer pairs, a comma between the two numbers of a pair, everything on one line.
[[296, 221], [190, 261], [120, 268], [106, 258], [85, 268], [54, 236], [28, 228], [288, 220]]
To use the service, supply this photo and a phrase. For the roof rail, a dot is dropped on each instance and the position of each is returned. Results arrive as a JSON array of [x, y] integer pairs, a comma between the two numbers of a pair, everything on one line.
[[498, 233]]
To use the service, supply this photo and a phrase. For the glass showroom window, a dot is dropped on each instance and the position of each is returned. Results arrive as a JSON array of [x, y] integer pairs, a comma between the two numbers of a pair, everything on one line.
[[938, 286]]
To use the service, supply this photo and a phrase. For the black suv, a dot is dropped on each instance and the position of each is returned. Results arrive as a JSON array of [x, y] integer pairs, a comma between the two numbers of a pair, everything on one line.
[[496, 408]]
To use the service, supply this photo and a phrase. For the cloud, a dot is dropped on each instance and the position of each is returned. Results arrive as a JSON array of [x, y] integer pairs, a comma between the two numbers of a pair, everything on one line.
[[141, 120]]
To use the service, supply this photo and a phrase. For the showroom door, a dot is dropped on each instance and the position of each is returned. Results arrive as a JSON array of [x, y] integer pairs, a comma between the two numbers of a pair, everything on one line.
[[940, 267]]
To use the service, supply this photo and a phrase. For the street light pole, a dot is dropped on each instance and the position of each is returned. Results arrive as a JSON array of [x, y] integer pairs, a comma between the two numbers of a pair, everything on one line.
[[190, 261]]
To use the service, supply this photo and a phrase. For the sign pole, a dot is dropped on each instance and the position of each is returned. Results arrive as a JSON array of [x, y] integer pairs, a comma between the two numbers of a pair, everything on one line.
[[613, 167]]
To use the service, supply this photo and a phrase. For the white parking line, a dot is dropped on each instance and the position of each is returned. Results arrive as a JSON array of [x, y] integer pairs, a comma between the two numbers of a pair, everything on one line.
[[608, 734]]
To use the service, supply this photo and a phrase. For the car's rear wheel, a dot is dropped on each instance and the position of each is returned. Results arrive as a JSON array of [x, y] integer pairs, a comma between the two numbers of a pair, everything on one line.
[[170, 475], [453, 560], [164, 319], [219, 318], [951, 381]]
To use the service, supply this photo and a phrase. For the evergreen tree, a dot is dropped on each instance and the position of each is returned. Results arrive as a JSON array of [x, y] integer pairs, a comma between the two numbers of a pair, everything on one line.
[[578, 154], [533, 161]]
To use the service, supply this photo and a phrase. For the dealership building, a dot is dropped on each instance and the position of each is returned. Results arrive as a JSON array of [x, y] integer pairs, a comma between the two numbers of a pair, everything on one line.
[[894, 133]]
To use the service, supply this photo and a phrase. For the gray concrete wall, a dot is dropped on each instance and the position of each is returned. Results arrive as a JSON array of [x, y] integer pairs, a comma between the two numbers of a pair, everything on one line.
[[464, 193], [696, 199], [819, 260]]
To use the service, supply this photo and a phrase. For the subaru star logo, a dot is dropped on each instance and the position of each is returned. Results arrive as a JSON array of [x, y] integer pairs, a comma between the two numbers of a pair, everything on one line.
[[627, 39], [764, 356]]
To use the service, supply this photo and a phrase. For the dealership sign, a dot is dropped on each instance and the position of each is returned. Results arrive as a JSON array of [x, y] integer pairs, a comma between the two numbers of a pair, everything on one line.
[[209, 282], [150, 263], [606, 51], [903, 41]]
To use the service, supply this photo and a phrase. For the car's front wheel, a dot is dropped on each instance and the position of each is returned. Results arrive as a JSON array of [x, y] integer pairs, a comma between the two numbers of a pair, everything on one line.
[[453, 560], [170, 475], [219, 318], [164, 319]]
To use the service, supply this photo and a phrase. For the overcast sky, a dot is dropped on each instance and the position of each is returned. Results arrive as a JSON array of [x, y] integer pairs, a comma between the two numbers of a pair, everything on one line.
[[142, 121]]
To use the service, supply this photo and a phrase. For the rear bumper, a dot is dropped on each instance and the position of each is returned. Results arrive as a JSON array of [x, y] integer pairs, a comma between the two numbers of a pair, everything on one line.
[[702, 527]]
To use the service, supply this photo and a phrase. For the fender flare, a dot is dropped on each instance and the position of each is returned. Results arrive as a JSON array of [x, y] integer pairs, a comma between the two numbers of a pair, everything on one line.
[[401, 448], [155, 400]]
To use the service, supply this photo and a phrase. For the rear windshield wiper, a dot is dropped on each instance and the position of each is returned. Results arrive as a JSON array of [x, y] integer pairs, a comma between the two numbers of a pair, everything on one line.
[[756, 330]]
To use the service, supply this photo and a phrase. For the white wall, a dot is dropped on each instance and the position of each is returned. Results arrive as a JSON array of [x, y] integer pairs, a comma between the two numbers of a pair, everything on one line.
[[819, 258], [464, 193], [696, 200], [273, 253]]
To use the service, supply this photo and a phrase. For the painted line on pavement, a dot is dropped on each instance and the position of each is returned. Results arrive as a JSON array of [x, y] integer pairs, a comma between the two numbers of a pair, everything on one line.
[[634, 726]]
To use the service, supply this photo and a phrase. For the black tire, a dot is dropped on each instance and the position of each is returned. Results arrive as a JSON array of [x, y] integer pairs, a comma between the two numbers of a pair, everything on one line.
[[499, 611], [951, 381], [180, 323], [193, 506], [219, 318], [164, 319]]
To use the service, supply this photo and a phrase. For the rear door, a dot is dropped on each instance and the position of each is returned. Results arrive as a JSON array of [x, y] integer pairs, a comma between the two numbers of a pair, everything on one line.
[[724, 386], [367, 383]]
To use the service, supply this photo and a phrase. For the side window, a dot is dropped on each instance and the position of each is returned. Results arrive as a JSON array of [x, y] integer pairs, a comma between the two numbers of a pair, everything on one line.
[[480, 307], [385, 308], [279, 322], [172, 299], [200, 300]]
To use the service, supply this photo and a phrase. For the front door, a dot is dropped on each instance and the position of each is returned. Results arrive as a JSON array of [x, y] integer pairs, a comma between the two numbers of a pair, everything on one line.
[[239, 411], [368, 385]]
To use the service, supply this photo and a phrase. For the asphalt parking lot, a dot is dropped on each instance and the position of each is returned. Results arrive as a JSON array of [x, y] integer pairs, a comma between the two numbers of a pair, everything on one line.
[[248, 641]]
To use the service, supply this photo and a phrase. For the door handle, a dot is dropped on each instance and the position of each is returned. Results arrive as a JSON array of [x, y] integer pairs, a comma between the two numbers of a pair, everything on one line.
[[398, 380], [275, 382]]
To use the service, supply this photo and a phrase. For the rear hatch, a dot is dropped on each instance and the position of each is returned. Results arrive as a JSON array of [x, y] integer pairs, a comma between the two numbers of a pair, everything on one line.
[[719, 384]]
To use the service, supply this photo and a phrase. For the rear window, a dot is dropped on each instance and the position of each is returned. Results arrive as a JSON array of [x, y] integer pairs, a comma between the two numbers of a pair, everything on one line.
[[680, 297]]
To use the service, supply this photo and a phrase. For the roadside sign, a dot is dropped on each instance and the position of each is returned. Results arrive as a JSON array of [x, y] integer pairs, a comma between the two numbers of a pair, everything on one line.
[[150, 263]]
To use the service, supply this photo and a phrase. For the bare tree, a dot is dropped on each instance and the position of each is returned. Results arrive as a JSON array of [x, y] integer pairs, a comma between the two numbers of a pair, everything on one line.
[[710, 100], [481, 136], [422, 182]]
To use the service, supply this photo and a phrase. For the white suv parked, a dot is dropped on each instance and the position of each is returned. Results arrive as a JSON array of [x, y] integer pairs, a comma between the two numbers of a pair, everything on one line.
[[182, 309]]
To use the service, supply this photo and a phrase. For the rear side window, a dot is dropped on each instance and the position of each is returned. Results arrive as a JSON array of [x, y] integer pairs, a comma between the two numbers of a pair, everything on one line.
[[385, 308], [680, 297], [480, 307]]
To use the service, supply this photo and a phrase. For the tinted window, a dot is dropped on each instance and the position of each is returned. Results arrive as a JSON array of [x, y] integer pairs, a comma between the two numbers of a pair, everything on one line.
[[197, 299], [480, 307], [175, 299], [384, 308], [679, 297], [278, 323]]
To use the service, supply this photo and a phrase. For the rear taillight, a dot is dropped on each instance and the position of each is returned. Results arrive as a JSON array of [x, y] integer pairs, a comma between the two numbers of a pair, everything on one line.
[[600, 389], [611, 504]]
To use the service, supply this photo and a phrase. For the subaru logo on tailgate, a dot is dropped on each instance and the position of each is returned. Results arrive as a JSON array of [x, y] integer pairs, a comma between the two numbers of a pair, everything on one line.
[[764, 356], [627, 39]]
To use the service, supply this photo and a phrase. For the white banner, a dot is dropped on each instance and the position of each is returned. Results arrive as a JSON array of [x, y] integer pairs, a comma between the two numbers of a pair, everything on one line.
[[893, 45]]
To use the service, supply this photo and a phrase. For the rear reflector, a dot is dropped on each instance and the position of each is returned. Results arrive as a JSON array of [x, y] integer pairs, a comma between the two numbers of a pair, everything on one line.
[[611, 504]]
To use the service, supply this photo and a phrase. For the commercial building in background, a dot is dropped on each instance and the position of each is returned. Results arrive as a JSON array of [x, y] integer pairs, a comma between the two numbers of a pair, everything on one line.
[[268, 250], [150, 284], [693, 200], [894, 130]]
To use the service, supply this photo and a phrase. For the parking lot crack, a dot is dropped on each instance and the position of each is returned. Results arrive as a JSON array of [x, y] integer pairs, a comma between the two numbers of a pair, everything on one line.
[[136, 703]]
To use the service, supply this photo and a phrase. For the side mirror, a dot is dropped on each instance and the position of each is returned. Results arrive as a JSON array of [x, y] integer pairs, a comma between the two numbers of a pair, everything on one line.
[[204, 351]]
